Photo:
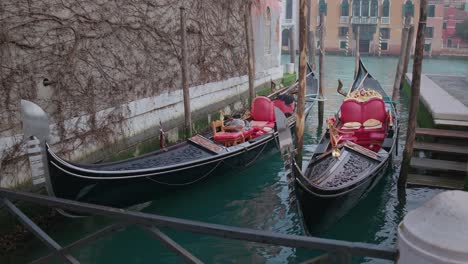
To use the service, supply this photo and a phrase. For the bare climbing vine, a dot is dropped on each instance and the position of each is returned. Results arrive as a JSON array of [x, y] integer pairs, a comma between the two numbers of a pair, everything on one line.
[[100, 54]]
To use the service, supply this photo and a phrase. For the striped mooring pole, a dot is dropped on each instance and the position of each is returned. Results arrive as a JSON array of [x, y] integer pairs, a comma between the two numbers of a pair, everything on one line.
[[380, 43], [347, 43]]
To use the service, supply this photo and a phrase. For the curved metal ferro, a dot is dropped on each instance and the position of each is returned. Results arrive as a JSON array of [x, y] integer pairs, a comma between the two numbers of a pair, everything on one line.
[[35, 121], [36, 124], [284, 133]]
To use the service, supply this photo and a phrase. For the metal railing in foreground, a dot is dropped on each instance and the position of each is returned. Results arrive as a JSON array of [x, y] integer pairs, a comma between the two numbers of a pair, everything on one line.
[[340, 251]]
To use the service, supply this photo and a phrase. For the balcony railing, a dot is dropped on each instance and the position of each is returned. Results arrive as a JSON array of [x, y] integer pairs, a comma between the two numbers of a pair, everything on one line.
[[364, 20], [385, 20], [344, 19]]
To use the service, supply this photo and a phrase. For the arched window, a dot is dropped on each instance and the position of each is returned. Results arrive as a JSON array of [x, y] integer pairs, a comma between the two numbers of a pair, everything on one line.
[[268, 31], [365, 8], [356, 8], [374, 11], [344, 8], [386, 8]]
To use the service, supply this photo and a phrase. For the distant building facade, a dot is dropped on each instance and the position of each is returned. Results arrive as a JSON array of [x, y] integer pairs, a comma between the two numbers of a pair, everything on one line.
[[381, 23], [453, 15]]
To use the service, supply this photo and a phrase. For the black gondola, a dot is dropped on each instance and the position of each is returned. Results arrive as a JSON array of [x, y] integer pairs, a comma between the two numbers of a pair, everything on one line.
[[350, 158], [141, 179]]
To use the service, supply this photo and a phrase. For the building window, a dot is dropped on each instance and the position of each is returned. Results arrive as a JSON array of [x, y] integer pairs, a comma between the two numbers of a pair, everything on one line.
[[374, 11], [384, 46], [365, 8], [444, 25], [385, 33], [429, 33], [268, 31], [343, 31], [356, 8], [344, 8], [427, 47], [431, 11], [289, 9], [386, 8], [343, 45], [408, 9]]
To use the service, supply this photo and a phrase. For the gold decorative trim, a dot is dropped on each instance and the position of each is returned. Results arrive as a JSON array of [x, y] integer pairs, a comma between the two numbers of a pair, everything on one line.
[[363, 95]]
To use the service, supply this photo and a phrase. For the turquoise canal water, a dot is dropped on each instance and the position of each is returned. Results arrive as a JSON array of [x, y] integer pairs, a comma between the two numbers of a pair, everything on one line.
[[259, 197]]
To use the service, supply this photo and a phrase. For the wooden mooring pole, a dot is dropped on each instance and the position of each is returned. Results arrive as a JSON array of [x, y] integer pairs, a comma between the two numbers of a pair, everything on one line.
[[250, 53], [300, 117], [310, 38], [401, 61], [409, 48], [185, 86], [292, 47], [414, 102], [357, 55], [321, 69]]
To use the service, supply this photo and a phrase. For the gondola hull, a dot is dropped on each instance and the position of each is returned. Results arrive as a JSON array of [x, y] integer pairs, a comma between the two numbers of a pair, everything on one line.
[[320, 212], [133, 188], [348, 161]]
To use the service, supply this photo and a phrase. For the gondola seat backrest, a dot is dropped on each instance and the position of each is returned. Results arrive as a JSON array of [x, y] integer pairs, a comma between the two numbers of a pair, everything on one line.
[[262, 113], [374, 109], [351, 111], [354, 111], [262, 109]]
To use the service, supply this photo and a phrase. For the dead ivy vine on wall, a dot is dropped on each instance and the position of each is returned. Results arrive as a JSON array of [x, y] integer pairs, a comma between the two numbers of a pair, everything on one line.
[[102, 54]]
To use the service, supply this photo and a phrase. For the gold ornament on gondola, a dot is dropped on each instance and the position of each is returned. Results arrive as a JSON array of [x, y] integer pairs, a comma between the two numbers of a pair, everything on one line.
[[334, 138], [363, 95]]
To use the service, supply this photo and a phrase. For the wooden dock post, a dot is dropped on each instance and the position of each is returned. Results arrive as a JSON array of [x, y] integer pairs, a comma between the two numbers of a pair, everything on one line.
[[185, 86], [399, 72], [310, 38], [321, 69], [357, 55], [250, 53], [414, 102], [409, 45], [292, 49], [300, 117]]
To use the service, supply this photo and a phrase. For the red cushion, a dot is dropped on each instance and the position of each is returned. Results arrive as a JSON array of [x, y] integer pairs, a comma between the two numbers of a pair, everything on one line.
[[351, 111], [374, 109], [262, 109], [377, 136], [227, 135], [287, 109], [248, 132]]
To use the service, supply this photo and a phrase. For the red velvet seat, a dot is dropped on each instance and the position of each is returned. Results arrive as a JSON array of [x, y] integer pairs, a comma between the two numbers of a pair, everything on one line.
[[374, 109], [262, 113], [354, 111], [227, 137], [262, 109], [248, 133]]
